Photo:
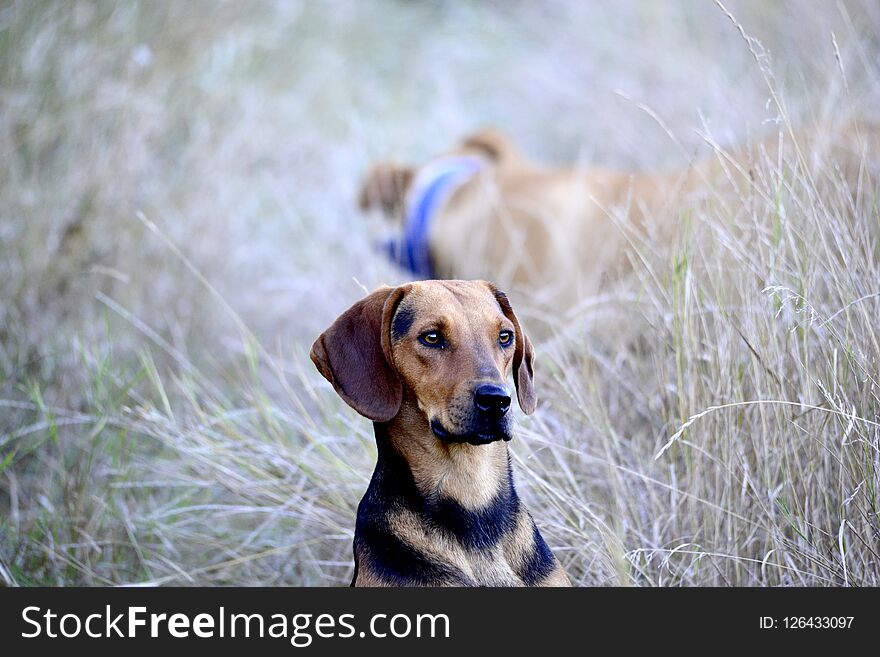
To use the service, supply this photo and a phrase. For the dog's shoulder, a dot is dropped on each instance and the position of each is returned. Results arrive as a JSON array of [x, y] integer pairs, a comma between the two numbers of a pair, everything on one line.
[[388, 536], [529, 555]]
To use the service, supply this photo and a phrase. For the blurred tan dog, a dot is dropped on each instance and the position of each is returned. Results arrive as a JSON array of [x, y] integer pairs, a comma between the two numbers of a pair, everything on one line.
[[486, 211], [428, 362]]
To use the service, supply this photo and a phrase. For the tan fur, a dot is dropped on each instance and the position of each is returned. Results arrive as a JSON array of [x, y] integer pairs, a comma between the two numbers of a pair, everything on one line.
[[516, 550], [470, 474], [565, 232], [484, 568]]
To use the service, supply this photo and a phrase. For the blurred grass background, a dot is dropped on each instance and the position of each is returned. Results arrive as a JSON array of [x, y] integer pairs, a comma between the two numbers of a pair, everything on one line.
[[178, 222]]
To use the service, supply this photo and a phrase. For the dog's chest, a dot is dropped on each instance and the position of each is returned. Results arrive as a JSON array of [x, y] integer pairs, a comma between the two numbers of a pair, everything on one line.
[[438, 545], [492, 569], [477, 546]]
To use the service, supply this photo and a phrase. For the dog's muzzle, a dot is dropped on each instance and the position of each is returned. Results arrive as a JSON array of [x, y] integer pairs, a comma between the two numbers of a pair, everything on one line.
[[487, 418]]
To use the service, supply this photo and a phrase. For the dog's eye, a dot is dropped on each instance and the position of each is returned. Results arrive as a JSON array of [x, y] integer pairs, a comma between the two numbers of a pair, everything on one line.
[[505, 338], [432, 339]]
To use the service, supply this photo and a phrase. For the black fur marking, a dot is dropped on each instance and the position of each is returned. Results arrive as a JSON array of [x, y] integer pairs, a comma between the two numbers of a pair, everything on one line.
[[485, 435], [397, 562], [393, 489], [539, 563], [479, 529], [402, 322]]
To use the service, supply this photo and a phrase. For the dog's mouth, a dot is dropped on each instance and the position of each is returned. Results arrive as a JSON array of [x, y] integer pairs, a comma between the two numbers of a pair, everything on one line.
[[481, 436]]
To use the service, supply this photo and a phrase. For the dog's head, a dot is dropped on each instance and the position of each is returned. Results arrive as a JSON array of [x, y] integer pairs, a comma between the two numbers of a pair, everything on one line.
[[445, 347]]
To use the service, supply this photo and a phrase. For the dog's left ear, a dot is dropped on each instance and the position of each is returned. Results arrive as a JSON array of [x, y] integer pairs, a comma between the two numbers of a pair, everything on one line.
[[354, 354], [523, 358]]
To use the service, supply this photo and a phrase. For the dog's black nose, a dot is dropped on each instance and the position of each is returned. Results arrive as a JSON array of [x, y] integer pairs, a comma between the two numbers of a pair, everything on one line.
[[492, 399]]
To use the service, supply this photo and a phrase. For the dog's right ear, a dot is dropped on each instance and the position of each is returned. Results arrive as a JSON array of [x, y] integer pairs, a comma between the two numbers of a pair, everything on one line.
[[354, 355], [385, 187], [494, 144], [523, 357]]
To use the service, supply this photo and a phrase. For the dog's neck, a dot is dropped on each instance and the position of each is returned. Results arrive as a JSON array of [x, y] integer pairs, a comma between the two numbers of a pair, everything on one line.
[[471, 475]]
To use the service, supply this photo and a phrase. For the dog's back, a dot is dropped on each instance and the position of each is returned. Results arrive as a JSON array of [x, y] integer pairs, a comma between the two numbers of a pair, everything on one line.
[[561, 233]]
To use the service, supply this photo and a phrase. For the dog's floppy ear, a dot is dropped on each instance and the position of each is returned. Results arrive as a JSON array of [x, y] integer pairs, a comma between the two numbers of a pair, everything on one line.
[[354, 354], [494, 144], [385, 187], [523, 359]]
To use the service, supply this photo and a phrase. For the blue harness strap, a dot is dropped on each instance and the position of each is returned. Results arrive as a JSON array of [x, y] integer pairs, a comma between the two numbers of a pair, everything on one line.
[[431, 189]]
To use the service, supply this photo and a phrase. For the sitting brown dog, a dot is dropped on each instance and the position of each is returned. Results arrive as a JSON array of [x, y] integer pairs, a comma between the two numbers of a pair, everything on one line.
[[486, 211], [428, 362]]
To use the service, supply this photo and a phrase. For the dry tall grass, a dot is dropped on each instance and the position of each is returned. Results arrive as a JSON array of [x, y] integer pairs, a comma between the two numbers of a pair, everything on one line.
[[177, 224]]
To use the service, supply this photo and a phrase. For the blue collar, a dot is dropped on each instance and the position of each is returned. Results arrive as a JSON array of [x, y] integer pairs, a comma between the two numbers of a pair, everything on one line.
[[432, 187]]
